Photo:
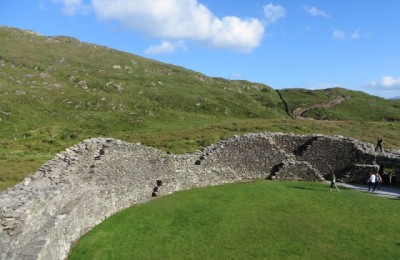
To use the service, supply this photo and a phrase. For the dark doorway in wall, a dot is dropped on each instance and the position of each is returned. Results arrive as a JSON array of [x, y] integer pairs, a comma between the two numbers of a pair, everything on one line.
[[388, 175]]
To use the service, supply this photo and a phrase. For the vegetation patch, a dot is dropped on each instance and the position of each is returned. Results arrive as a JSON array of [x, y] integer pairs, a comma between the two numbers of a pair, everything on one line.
[[264, 219]]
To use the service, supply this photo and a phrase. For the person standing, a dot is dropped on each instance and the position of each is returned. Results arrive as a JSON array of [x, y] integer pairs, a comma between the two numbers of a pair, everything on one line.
[[378, 180], [372, 182], [379, 144], [333, 183]]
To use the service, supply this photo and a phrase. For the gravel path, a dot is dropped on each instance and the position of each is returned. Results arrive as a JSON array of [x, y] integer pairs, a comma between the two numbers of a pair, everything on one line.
[[387, 191]]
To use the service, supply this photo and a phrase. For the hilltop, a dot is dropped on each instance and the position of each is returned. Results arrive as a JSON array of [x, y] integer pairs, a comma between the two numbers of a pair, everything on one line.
[[57, 91]]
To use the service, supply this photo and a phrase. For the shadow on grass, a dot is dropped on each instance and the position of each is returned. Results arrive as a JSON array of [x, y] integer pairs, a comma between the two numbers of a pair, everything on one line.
[[317, 189], [304, 188]]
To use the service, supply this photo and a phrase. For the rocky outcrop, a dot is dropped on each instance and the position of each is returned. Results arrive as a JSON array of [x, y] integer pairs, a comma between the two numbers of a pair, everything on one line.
[[41, 217]]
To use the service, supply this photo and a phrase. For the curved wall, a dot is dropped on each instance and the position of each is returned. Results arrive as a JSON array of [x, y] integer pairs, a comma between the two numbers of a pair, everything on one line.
[[41, 217]]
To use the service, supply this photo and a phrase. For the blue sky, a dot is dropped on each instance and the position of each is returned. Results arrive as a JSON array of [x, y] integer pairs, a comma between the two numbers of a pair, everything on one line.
[[313, 44]]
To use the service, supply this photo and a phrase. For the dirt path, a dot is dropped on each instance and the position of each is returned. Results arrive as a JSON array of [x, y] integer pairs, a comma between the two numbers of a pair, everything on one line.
[[298, 112], [386, 191]]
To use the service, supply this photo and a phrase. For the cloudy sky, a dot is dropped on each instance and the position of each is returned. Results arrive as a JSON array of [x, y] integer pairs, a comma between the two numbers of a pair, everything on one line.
[[313, 44]]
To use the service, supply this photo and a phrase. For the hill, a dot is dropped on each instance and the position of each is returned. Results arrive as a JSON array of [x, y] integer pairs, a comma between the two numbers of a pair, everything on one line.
[[357, 105], [58, 91]]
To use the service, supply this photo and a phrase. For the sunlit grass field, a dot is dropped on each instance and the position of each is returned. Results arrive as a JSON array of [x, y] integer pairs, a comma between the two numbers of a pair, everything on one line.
[[258, 220]]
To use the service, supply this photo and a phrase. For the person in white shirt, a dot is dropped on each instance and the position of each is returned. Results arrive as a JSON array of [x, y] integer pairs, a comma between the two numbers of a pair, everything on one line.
[[372, 182]]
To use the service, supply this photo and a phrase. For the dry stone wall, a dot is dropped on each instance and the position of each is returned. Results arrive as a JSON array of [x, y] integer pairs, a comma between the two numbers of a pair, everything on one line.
[[41, 217]]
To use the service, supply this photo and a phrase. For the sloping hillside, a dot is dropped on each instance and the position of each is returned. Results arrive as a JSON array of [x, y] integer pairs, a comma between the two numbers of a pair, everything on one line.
[[58, 91], [357, 105], [60, 85]]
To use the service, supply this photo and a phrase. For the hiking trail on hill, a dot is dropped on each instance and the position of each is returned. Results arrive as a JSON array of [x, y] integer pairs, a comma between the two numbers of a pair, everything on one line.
[[298, 112]]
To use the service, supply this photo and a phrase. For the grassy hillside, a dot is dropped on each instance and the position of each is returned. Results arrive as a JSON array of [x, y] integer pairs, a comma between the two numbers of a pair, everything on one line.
[[359, 106], [58, 91], [61, 87]]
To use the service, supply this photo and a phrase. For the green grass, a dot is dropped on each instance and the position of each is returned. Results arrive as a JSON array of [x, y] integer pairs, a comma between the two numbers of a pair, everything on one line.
[[260, 220], [57, 91]]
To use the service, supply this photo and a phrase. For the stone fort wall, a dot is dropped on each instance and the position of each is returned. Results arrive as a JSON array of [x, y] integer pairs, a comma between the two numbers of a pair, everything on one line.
[[41, 217]]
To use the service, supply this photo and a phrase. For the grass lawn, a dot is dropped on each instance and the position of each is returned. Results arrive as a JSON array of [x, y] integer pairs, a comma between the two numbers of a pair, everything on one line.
[[258, 220]]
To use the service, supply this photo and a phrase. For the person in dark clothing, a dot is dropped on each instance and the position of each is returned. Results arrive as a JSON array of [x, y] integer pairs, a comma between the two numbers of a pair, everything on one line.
[[378, 180], [379, 144]]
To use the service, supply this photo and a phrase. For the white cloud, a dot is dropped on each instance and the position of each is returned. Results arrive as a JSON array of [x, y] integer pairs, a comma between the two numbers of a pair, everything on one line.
[[387, 86], [390, 82], [341, 35], [273, 12], [183, 20], [314, 11], [166, 47], [356, 34], [71, 7], [337, 34], [234, 33]]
